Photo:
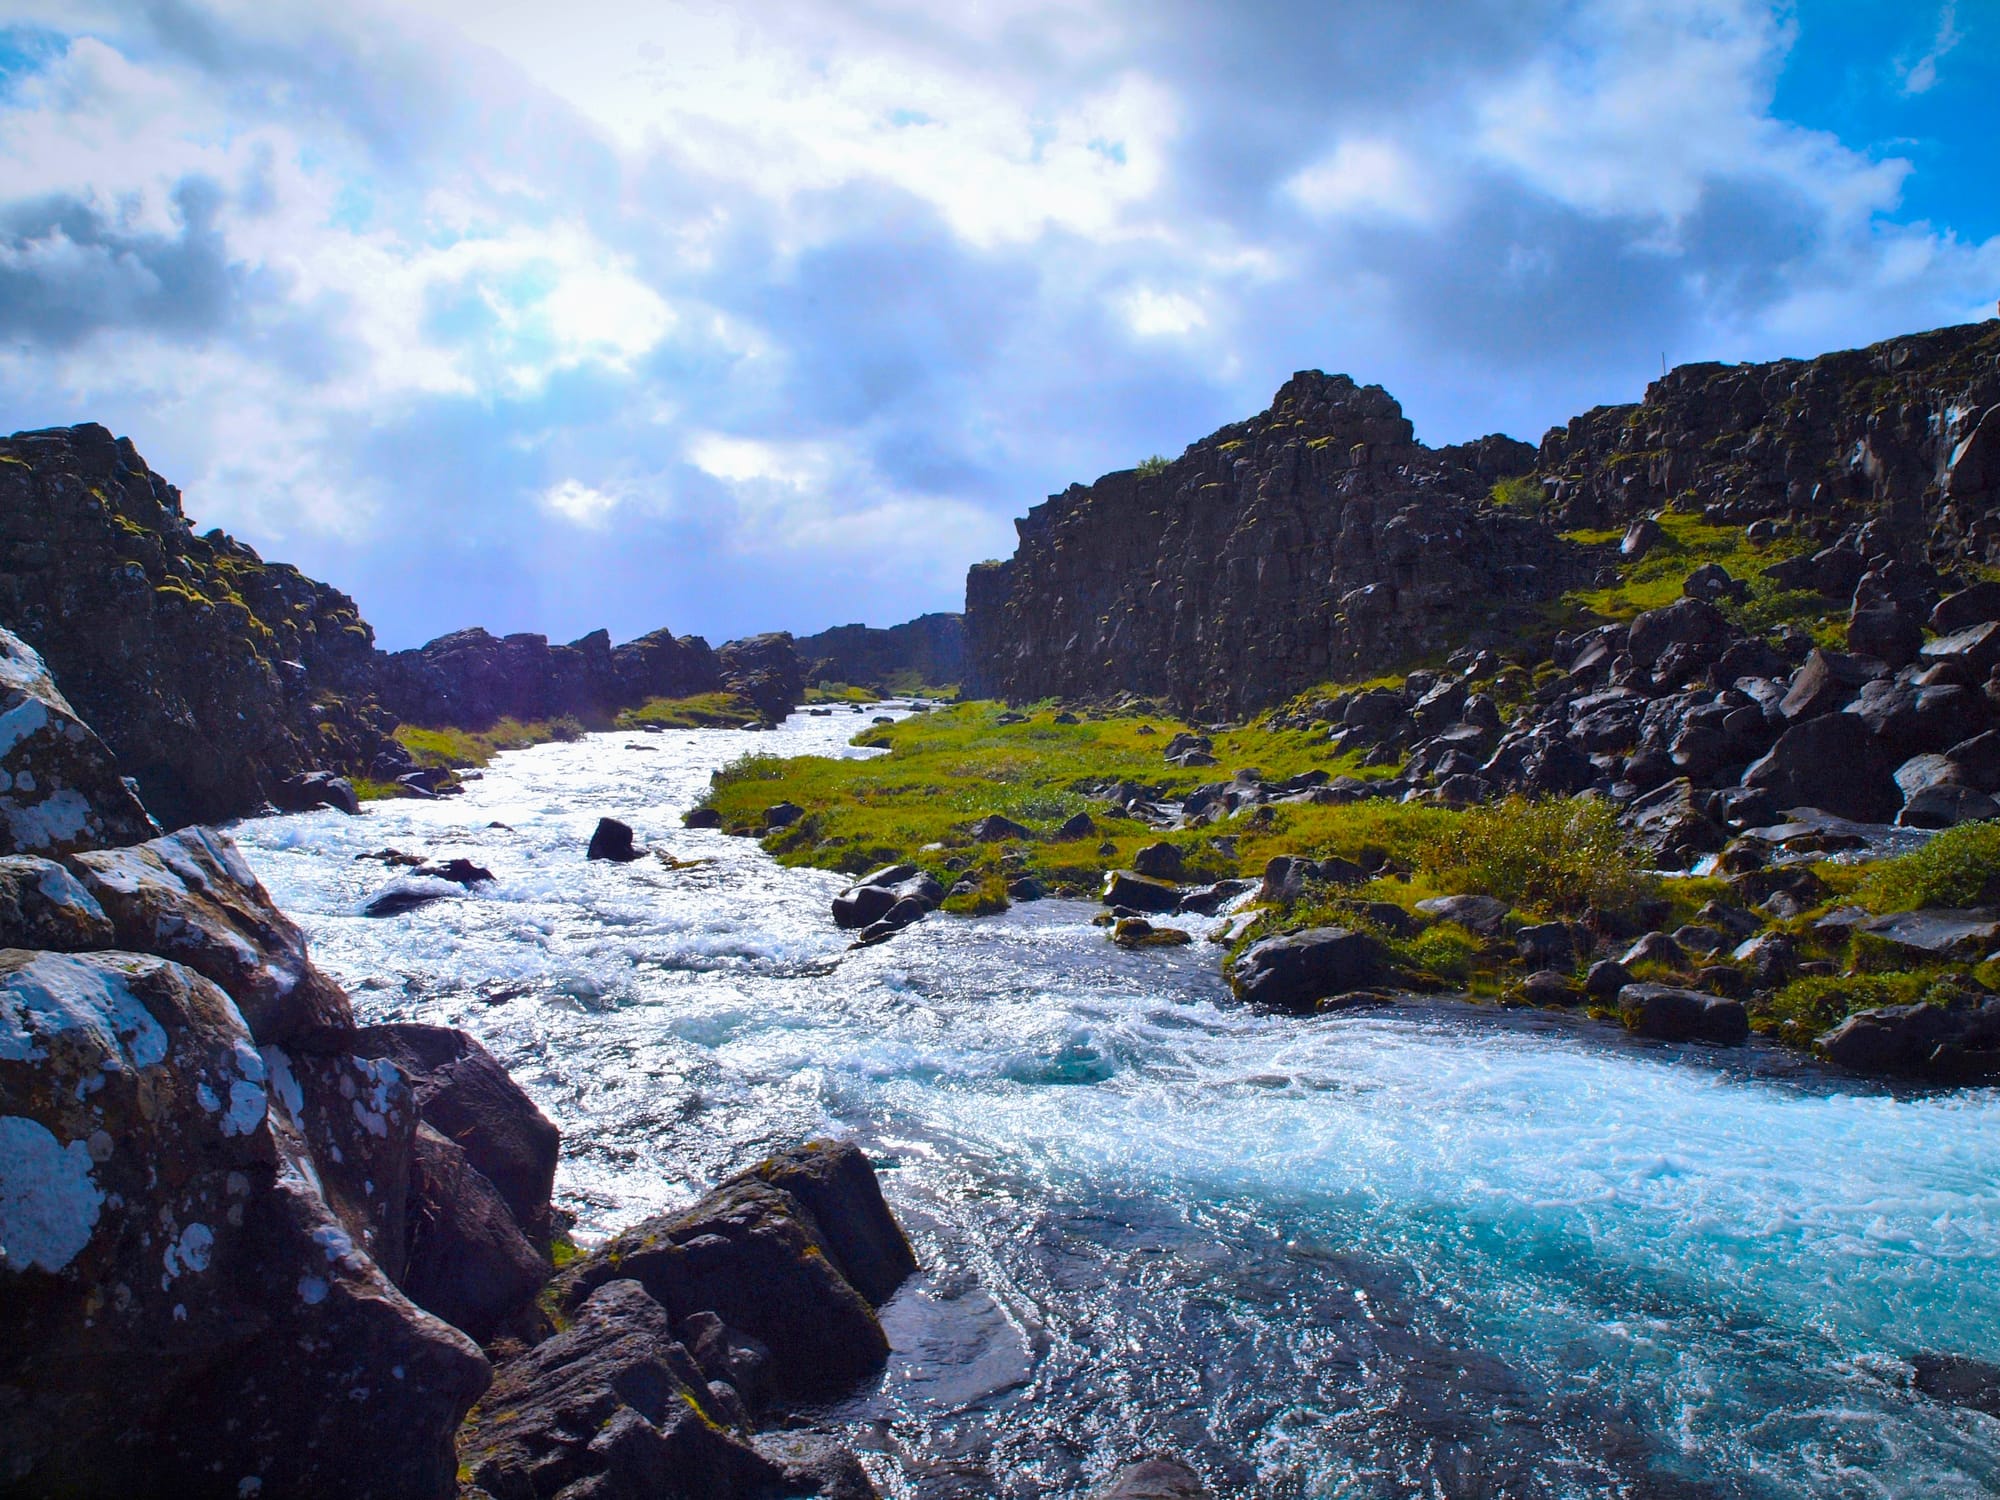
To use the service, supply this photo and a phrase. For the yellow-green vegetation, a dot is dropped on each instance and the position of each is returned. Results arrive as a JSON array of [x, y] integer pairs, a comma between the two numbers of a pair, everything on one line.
[[1519, 493], [370, 790], [455, 749], [1689, 542], [840, 692], [1811, 1007], [1151, 465], [1960, 867], [702, 711]]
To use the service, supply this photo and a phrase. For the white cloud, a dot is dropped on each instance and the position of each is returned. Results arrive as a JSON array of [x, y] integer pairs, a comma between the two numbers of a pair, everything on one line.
[[1368, 179], [1153, 314], [1921, 76], [580, 503]]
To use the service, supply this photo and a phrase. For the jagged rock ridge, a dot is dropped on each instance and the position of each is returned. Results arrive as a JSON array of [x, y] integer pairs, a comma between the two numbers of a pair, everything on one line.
[[1316, 540], [212, 675], [930, 649]]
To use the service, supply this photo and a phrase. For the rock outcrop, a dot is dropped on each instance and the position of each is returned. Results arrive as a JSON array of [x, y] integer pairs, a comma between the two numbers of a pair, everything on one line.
[[766, 670], [471, 679], [59, 785], [928, 651], [212, 675], [1316, 540]]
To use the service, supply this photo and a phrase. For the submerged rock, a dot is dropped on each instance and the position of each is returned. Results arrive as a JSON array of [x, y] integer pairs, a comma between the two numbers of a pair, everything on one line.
[[1137, 932], [1153, 1479], [1958, 1381]]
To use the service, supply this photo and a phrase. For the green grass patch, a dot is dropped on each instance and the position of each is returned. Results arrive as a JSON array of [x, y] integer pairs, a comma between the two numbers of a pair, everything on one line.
[[991, 897], [370, 790], [1960, 867], [1689, 543], [702, 711], [840, 692], [1808, 1008], [455, 749]]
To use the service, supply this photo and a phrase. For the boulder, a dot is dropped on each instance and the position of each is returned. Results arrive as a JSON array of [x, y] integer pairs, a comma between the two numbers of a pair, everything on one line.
[[1160, 861], [1956, 1380], [1297, 970], [42, 905], [1480, 914], [1674, 1015], [782, 814], [1975, 649], [834, 1182], [1153, 1479], [1946, 807], [1136, 892], [1137, 932], [1825, 683], [1891, 1039], [1939, 932], [1655, 948], [813, 1463], [1606, 978], [193, 898], [1673, 822], [60, 790], [1886, 633], [994, 829], [1685, 623], [313, 789], [701, 817], [467, 1260], [1832, 763], [611, 1406], [463, 1093], [1550, 987], [170, 1257], [862, 905], [1969, 606], [1547, 945], [1078, 826], [612, 840], [759, 1259]]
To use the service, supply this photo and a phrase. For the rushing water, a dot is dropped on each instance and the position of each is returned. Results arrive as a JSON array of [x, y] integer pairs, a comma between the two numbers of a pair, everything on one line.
[[1429, 1252]]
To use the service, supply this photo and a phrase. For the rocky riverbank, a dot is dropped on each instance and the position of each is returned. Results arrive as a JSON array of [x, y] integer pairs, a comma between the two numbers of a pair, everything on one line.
[[249, 1246]]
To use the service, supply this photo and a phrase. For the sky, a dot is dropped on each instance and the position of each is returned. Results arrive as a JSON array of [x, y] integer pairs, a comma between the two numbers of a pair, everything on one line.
[[742, 317]]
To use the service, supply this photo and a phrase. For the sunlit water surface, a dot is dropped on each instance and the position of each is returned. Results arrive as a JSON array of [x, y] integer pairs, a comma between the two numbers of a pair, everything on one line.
[[1409, 1253]]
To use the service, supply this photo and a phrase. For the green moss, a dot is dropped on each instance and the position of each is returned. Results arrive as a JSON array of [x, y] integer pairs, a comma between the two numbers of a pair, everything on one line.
[[991, 897], [1147, 467], [1689, 542], [370, 790], [1521, 493]]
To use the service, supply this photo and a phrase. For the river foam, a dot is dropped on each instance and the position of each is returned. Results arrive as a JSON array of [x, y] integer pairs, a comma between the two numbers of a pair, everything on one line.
[[1428, 1251]]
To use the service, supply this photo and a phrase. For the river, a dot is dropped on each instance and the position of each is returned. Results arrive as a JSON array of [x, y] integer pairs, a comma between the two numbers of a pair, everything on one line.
[[1433, 1252]]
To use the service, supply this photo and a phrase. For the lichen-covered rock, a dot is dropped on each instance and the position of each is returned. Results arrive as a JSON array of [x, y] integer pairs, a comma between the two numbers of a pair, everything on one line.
[[462, 1092], [185, 1313], [192, 897], [60, 788], [42, 905], [211, 674], [759, 1256]]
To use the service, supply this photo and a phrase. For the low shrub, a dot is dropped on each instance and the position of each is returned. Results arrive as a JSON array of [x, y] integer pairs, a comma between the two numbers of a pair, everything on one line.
[[1559, 854], [1960, 867]]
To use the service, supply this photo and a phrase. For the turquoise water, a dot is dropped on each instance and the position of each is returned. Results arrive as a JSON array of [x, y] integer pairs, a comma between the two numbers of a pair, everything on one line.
[[1439, 1251]]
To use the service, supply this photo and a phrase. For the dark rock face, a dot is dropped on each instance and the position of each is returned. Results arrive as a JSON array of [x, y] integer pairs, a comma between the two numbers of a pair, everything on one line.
[[1314, 540], [756, 1254], [62, 787], [613, 1405], [765, 669], [1297, 970], [1952, 1044], [471, 679], [1832, 763], [1958, 1381], [1672, 1015], [211, 674], [612, 840], [468, 1261], [462, 1092], [929, 650], [178, 1274]]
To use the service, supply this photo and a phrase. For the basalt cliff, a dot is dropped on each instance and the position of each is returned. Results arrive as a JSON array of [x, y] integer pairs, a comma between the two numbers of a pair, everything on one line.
[[1319, 541]]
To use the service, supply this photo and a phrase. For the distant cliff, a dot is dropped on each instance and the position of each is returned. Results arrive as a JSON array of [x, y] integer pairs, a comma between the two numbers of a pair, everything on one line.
[[211, 674], [1316, 540], [928, 651], [471, 679]]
